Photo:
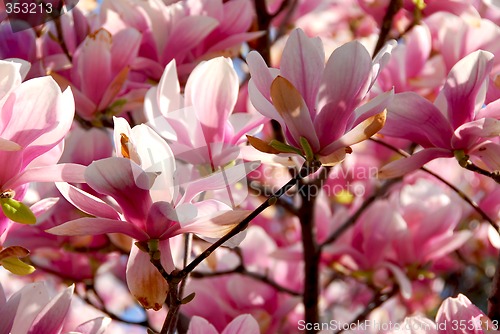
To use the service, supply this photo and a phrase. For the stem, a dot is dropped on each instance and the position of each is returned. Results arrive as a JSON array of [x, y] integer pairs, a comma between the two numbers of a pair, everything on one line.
[[312, 252], [466, 163], [392, 9]]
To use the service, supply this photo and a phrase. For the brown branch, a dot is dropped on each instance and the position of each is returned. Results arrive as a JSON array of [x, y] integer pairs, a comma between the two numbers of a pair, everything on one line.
[[392, 9]]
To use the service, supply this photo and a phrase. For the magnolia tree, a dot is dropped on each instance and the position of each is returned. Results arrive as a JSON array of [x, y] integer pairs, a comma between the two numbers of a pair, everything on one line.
[[250, 166]]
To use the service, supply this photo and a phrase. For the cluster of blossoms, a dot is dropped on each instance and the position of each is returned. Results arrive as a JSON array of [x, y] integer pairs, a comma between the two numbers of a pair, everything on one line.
[[249, 166]]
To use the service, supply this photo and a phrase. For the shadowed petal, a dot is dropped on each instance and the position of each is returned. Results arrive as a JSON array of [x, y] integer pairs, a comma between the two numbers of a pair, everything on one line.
[[292, 108], [145, 281]]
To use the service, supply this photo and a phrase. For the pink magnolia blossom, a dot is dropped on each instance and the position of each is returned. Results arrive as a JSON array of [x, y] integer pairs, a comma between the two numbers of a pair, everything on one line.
[[99, 73], [456, 122], [151, 207], [186, 31], [201, 123], [320, 103], [35, 118], [411, 67]]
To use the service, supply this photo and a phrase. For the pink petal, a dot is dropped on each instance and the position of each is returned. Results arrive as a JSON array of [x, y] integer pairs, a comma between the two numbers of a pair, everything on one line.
[[243, 324], [94, 65], [97, 226], [126, 182], [465, 87], [199, 325], [418, 45], [380, 226], [427, 127], [212, 89], [470, 133], [347, 76], [57, 173], [51, 318], [87, 202], [302, 64], [168, 92], [38, 101], [25, 304], [454, 309], [187, 34], [156, 158], [11, 79], [125, 46], [404, 166], [292, 108], [259, 86], [162, 220], [444, 244]]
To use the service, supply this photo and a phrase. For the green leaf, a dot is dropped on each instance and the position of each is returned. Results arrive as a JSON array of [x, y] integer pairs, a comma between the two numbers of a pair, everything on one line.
[[17, 211], [188, 298], [17, 267], [306, 147]]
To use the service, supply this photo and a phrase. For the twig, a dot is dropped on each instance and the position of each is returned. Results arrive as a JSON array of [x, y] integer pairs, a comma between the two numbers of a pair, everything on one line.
[[392, 9]]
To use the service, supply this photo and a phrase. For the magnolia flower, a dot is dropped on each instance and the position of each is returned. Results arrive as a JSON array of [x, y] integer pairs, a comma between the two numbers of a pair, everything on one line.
[[151, 208], [319, 106], [185, 31], [456, 124], [201, 123], [101, 65], [36, 116]]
